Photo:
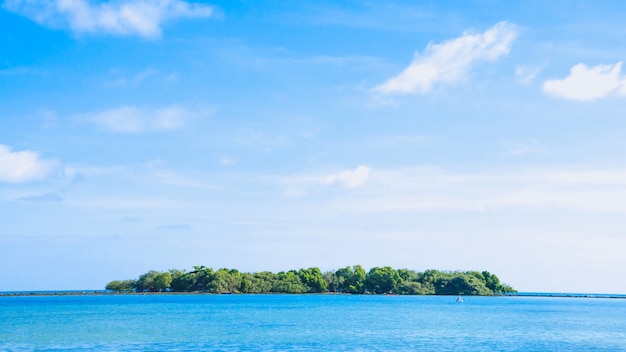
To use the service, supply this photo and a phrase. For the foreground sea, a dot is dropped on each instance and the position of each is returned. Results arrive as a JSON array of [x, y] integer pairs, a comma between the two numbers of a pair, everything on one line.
[[281, 322]]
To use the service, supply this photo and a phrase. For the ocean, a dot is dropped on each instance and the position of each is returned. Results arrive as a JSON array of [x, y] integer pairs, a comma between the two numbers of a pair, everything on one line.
[[283, 322]]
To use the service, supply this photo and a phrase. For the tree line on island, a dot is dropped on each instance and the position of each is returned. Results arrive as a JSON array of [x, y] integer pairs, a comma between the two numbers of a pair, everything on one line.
[[355, 280]]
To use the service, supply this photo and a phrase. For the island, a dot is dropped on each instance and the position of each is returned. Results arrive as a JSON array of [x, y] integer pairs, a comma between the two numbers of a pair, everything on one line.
[[349, 280]]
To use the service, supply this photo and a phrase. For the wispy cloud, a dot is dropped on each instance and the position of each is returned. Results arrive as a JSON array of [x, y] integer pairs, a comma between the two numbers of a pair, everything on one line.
[[433, 189], [302, 185], [521, 147], [260, 138], [174, 227], [132, 119], [170, 178], [23, 166], [398, 140], [369, 15], [527, 74], [121, 78], [46, 197], [19, 71], [227, 160], [135, 80], [449, 61], [78, 172], [133, 17], [589, 83], [349, 178], [123, 203]]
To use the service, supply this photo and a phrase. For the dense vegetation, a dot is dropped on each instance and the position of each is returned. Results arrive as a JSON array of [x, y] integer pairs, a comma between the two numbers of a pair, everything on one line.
[[379, 280]]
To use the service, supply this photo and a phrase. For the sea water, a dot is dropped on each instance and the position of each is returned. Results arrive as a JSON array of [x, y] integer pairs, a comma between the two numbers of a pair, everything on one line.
[[310, 322]]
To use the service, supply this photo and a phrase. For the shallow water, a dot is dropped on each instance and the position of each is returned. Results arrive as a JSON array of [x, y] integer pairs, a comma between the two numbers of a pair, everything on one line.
[[310, 322]]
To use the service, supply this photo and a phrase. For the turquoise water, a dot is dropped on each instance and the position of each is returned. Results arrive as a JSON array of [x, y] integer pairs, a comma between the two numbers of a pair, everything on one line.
[[310, 322]]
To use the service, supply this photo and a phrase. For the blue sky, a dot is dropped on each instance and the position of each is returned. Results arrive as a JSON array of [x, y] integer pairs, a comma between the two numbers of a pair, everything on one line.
[[457, 135]]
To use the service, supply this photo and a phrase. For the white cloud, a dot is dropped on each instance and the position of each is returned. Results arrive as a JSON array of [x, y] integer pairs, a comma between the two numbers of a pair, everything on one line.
[[588, 83], [302, 185], [132, 17], [449, 61], [131, 119], [349, 178], [23, 166]]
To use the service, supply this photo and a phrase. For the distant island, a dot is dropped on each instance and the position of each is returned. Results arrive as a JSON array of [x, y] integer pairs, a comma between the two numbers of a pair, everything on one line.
[[353, 280]]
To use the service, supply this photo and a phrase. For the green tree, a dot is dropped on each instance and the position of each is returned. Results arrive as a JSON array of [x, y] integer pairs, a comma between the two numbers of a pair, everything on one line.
[[357, 281], [411, 284], [262, 282], [203, 277], [382, 280], [289, 282], [225, 280], [313, 279], [493, 283], [120, 286], [461, 284], [410, 288], [354, 279], [343, 277], [162, 281], [180, 281], [430, 276], [145, 282], [250, 284], [407, 275], [332, 282]]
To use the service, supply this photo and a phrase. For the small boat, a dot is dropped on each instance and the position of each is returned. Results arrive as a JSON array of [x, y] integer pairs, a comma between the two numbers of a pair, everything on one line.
[[459, 299]]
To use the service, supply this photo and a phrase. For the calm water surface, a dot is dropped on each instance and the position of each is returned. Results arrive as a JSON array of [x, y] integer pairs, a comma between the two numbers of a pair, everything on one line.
[[310, 322]]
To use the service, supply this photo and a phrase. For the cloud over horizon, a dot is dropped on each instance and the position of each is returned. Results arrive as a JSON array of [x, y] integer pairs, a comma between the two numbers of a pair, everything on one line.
[[135, 17], [434, 189], [589, 83], [23, 166], [450, 60]]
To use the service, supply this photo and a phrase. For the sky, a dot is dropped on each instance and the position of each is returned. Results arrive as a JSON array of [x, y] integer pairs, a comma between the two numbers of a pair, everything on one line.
[[274, 135]]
